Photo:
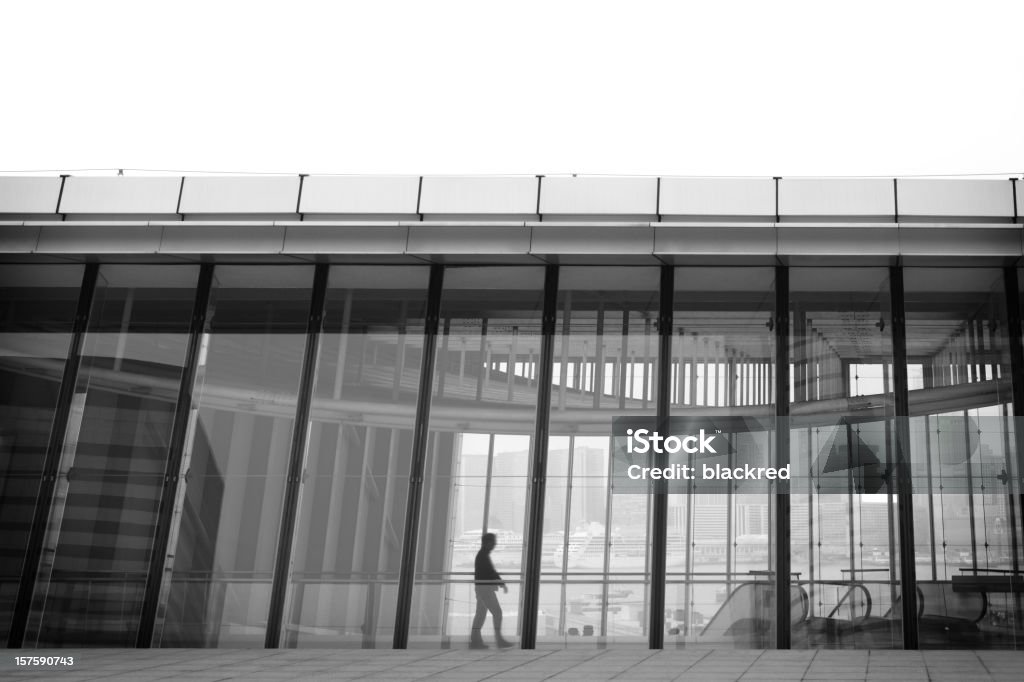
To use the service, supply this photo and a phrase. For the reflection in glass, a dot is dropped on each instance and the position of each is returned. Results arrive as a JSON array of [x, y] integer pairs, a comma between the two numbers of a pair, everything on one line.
[[236, 460], [719, 558], [342, 585], [594, 565], [482, 416], [103, 519], [37, 312], [348, 538], [844, 542], [964, 461]]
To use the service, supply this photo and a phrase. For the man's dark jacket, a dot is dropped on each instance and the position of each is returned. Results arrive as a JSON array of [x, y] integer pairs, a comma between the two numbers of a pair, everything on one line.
[[484, 573]]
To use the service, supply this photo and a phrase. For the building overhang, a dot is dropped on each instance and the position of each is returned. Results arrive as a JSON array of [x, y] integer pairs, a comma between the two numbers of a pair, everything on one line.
[[512, 220]]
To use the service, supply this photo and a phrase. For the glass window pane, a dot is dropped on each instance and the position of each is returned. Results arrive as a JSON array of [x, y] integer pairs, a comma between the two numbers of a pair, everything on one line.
[[244, 402], [719, 561], [37, 313], [482, 417], [349, 533], [964, 461], [844, 542], [596, 546], [97, 551]]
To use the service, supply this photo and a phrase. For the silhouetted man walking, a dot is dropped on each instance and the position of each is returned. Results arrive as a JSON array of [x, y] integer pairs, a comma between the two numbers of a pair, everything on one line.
[[487, 583]]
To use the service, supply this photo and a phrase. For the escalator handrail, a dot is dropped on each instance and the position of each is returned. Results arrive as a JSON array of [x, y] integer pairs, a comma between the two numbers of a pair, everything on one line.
[[849, 591]]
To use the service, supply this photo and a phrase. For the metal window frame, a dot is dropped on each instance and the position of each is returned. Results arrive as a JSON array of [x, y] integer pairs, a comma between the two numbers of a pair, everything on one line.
[[403, 605], [539, 465], [659, 511], [172, 469], [783, 564], [51, 461], [297, 459], [904, 487]]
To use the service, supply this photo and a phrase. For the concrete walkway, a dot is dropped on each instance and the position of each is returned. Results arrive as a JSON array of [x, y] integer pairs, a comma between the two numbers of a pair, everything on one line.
[[707, 665]]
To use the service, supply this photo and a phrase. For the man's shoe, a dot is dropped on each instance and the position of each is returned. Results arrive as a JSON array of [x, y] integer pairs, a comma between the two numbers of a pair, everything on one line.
[[476, 641], [504, 643]]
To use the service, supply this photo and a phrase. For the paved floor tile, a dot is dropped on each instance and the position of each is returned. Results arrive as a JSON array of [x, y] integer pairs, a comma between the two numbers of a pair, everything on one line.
[[584, 664]]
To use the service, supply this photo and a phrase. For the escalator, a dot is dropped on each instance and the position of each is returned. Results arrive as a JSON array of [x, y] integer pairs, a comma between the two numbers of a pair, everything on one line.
[[747, 616], [747, 619], [950, 615]]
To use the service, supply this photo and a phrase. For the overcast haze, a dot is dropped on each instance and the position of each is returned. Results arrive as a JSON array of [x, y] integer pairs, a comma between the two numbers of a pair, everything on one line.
[[673, 88]]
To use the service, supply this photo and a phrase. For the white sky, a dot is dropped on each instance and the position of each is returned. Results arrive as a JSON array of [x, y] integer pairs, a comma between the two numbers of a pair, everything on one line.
[[632, 87]]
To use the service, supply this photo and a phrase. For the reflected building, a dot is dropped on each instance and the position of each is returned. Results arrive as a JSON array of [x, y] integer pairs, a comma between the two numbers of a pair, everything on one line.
[[281, 411]]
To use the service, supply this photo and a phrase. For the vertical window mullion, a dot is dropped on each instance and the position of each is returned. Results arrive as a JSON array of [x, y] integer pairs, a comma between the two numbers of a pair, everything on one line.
[[904, 489], [418, 457], [172, 471], [538, 466], [659, 530], [782, 516], [293, 482]]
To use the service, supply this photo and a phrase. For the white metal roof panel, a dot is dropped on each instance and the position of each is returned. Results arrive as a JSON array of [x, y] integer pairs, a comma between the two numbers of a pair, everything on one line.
[[503, 195], [836, 197], [149, 195], [718, 196], [29, 195], [246, 194], [360, 194], [600, 196], [955, 197]]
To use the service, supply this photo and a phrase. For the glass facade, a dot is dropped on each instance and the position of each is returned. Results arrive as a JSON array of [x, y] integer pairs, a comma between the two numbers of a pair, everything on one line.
[[964, 459], [719, 545], [348, 538], [96, 555], [221, 565], [596, 548], [200, 456], [844, 539], [483, 408]]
